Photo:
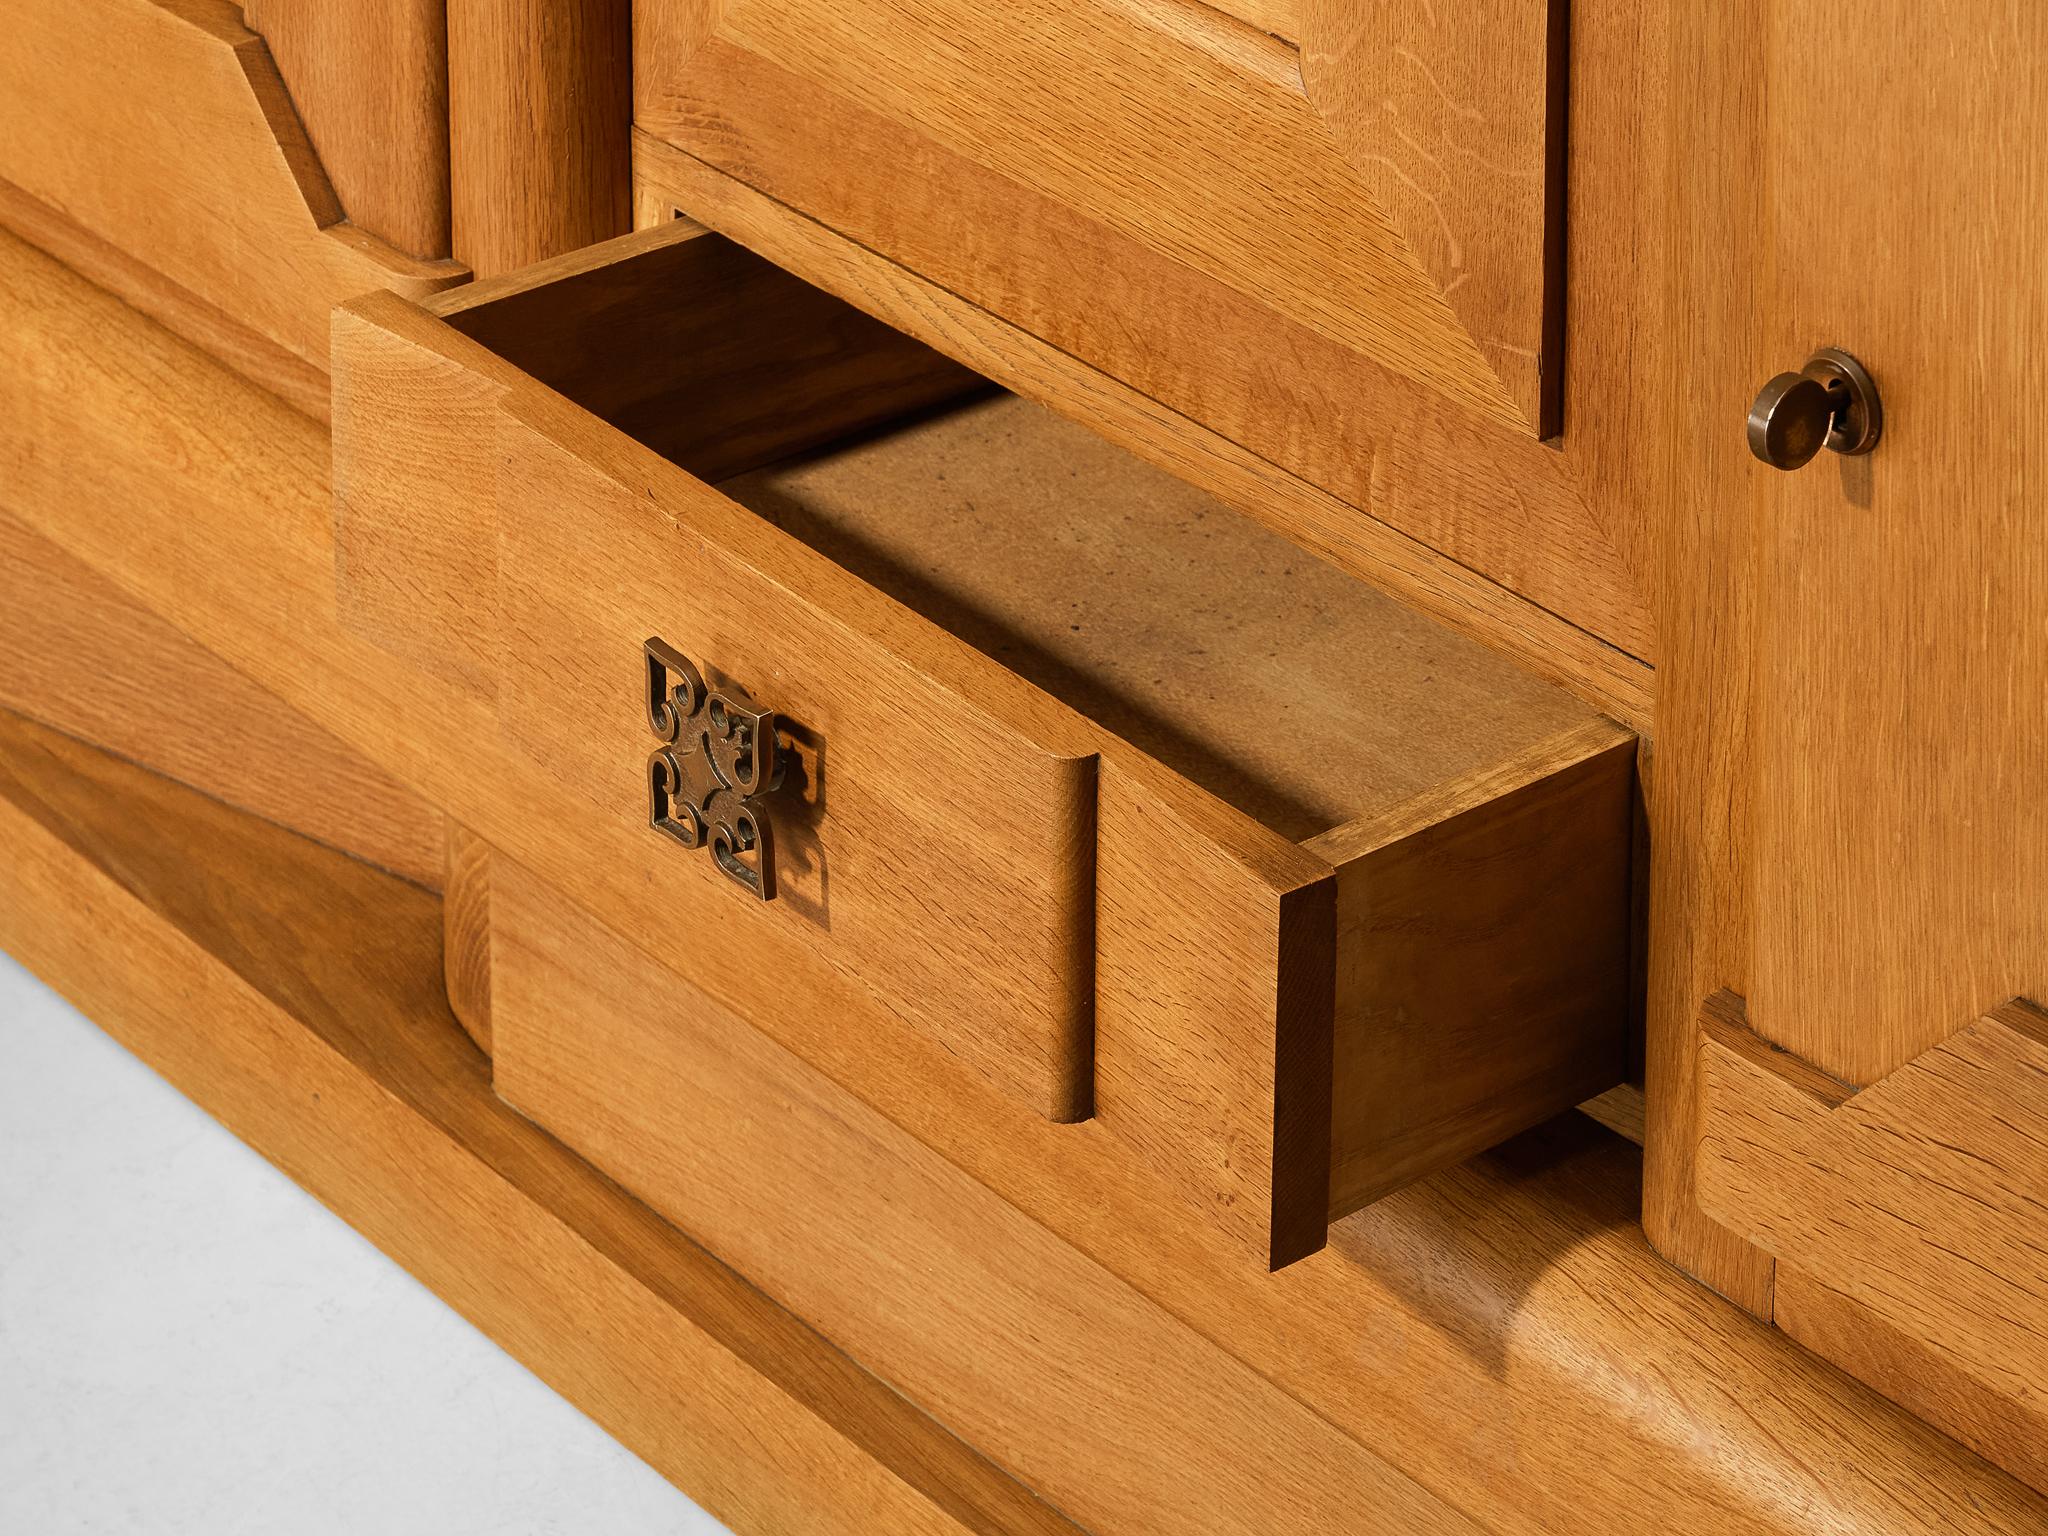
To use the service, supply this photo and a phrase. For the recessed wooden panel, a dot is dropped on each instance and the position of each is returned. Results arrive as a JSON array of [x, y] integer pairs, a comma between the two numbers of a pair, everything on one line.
[[1347, 257], [1174, 127]]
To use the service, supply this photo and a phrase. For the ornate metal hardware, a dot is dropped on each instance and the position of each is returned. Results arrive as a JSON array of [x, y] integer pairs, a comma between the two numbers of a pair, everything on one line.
[[719, 755]]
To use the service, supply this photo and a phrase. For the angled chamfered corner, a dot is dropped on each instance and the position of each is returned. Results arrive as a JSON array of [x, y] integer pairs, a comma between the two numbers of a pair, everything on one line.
[[1909, 1213]]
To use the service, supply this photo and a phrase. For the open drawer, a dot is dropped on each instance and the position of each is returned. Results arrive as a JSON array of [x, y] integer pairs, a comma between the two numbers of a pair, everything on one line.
[[941, 704]]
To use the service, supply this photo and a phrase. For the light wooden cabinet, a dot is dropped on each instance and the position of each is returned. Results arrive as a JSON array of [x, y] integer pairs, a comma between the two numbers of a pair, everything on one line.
[[934, 742], [1850, 934]]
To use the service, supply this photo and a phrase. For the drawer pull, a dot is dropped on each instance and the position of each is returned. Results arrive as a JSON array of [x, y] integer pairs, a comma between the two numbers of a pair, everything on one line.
[[719, 755]]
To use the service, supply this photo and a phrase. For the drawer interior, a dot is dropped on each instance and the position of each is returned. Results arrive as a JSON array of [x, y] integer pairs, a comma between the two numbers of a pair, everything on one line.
[[1352, 883], [1301, 696], [1278, 684]]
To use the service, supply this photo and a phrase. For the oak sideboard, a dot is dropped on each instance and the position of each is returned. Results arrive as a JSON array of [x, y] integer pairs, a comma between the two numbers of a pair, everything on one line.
[[1081, 765]]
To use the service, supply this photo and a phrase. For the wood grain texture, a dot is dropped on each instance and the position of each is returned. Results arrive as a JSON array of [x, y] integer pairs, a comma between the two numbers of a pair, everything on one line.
[[466, 932], [1700, 785], [988, 1314], [1919, 1198], [1327, 527], [213, 330], [1010, 531], [1909, 1370], [163, 129], [1305, 699], [252, 958], [1186, 134], [1454, 120], [370, 84], [701, 350], [79, 654], [1621, 1109], [756, 366], [1165, 163], [539, 108], [1479, 1331], [417, 434], [1901, 887], [935, 843], [911, 1261], [1853, 772], [1280, 18], [1215, 959], [1482, 944]]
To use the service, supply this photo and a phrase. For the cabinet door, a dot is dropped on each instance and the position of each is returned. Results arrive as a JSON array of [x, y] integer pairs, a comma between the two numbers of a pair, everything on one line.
[[1331, 231], [1852, 910]]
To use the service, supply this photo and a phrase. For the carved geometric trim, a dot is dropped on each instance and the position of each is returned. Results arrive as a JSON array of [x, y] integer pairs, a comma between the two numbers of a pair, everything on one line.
[[1922, 1198]]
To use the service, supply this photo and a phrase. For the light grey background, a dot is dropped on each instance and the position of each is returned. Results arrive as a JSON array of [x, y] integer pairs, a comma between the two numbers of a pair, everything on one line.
[[189, 1343]]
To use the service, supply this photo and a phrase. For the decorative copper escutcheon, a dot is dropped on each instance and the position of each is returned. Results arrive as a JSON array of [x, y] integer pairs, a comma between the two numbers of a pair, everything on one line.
[[719, 755]]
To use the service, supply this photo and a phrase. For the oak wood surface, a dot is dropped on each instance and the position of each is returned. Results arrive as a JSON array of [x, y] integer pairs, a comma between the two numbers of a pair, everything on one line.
[[370, 84], [900, 1255], [1305, 698], [1487, 1383], [1848, 804], [1902, 819], [1454, 120], [1018, 533], [213, 330], [1281, 18], [1221, 654], [1358, 379], [252, 958], [1909, 1370], [1919, 1198], [1327, 527], [1169, 132], [162, 127], [1501, 896], [574, 1009], [1700, 787], [1215, 1017], [421, 435], [701, 350], [539, 108], [756, 366], [931, 846], [79, 654], [466, 932]]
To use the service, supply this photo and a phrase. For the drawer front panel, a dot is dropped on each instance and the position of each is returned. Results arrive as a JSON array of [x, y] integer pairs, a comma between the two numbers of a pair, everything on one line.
[[937, 854]]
